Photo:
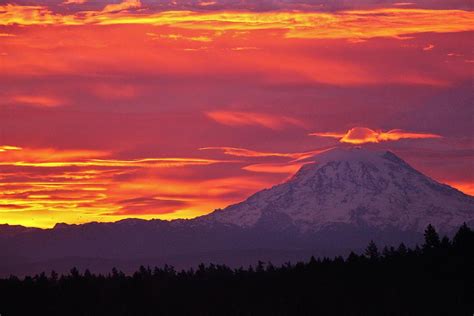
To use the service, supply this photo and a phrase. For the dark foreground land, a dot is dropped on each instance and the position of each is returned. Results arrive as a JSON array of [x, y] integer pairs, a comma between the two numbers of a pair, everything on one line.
[[434, 279]]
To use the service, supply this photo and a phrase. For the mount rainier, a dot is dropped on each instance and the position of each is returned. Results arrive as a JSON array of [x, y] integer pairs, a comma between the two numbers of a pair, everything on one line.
[[358, 187]]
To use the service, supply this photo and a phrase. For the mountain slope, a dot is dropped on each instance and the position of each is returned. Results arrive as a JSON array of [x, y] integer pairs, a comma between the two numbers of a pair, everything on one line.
[[358, 187]]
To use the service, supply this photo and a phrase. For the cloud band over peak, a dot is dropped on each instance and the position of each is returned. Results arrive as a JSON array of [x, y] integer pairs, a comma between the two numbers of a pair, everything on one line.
[[363, 135]]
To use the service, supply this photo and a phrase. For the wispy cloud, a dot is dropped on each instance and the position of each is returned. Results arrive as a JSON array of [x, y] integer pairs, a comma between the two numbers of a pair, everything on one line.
[[4, 148], [176, 37], [286, 168], [252, 118], [35, 100], [428, 47], [74, 1], [242, 152], [124, 5]]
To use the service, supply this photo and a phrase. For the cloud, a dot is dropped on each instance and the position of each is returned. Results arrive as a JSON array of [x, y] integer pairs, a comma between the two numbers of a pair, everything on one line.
[[12, 207], [124, 5], [148, 205], [391, 22], [74, 1], [14, 154], [146, 162], [57, 158], [35, 100], [286, 168], [428, 47], [289, 167], [207, 3], [244, 48], [328, 134], [362, 135], [253, 119], [242, 152], [6, 148], [403, 4], [175, 37]]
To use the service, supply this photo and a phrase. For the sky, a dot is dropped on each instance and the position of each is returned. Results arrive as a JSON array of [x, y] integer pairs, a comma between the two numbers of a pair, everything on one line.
[[171, 109]]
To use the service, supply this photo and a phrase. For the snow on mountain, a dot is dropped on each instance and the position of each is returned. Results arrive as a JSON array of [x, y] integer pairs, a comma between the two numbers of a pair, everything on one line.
[[358, 187]]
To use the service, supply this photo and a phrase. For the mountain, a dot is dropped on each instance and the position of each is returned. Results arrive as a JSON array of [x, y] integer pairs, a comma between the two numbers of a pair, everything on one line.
[[337, 203], [358, 187]]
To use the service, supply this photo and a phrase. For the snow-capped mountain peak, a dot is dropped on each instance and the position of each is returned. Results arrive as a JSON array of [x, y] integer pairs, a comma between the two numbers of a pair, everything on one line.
[[359, 187]]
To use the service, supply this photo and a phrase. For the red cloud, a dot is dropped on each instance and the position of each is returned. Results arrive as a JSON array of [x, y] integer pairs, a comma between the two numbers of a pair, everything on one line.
[[148, 205], [362, 135], [252, 118]]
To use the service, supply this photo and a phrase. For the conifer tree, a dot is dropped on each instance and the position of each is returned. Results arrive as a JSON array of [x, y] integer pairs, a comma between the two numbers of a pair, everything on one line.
[[432, 240], [372, 252]]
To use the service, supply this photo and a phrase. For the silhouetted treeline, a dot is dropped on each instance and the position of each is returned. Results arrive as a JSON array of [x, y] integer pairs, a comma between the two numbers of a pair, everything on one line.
[[433, 279]]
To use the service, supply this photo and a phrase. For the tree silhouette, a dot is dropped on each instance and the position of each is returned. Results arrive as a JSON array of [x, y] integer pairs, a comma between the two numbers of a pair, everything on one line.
[[464, 237], [402, 249], [372, 252], [402, 281], [431, 238]]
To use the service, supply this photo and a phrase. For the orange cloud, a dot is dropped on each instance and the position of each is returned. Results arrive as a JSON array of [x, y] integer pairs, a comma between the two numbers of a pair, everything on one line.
[[207, 3], [362, 135], [14, 154], [252, 118], [36, 100], [124, 5], [391, 22]]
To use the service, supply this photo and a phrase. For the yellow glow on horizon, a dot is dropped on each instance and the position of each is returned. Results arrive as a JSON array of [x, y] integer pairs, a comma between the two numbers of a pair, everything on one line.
[[71, 186]]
